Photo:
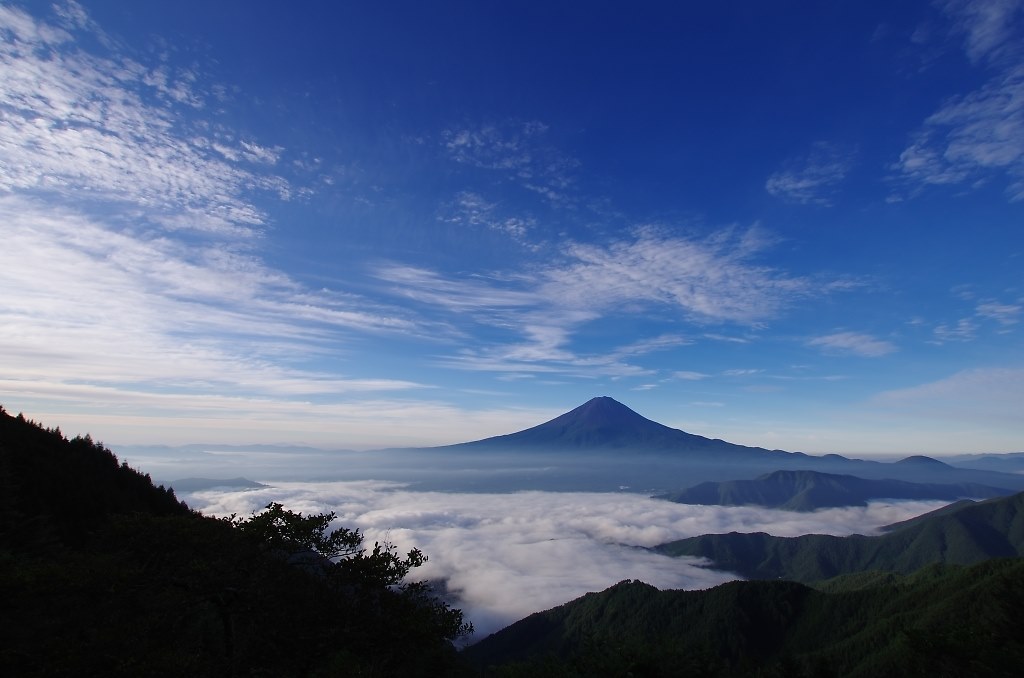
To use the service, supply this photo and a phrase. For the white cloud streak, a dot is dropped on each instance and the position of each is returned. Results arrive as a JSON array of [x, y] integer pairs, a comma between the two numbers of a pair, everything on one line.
[[977, 398], [975, 136], [745, 372], [178, 314], [965, 329], [987, 25], [515, 150], [812, 178], [1004, 314], [488, 147], [93, 128], [472, 209], [853, 343], [709, 280], [129, 225]]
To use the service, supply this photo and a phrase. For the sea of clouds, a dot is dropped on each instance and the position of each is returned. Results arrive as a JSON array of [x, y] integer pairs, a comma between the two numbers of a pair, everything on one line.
[[505, 556]]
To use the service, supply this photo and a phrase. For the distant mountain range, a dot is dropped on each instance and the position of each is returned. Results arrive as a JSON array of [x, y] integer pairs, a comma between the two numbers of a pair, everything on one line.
[[644, 453], [810, 490], [1009, 462], [200, 484], [599, 446], [966, 533]]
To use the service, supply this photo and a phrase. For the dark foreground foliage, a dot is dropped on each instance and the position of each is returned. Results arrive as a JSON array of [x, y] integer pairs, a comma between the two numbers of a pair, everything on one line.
[[940, 621], [103, 574]]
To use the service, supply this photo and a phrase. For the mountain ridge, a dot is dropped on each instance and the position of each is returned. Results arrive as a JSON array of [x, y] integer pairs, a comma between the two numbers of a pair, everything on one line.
[[607, 430], [803, 490], [974, 532], [942, 620]]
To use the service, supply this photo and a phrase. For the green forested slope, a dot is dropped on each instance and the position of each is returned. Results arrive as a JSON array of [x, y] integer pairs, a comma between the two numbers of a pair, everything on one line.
[[972, 533], [809, 490], [941, 621]]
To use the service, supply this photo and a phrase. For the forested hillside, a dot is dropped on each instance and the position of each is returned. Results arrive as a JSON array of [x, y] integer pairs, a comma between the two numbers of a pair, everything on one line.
[[969, 533], [101, 573], [810, 490], [940, 621]]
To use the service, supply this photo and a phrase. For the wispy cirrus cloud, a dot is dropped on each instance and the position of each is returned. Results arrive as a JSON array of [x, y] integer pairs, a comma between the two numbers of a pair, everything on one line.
[[103, 127], [250, 151], [853, 343], [725, 338], [182, 316], [976, 136], [964, 329], [1004, 314], [976, 398], [659, 343], [130, 228], [541, 358], [988, 26], [710, 279], [741, 372], [489, 147], [478, 296], [539, 315], [515, 150], [972, 137], [812, 178], [472, 209]]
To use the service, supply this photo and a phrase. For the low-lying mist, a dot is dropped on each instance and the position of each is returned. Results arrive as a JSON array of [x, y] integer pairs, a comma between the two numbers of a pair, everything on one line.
[[504, 556], [436, 470]]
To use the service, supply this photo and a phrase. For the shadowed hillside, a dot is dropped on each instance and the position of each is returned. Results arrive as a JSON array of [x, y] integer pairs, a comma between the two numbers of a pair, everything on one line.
[[941, 621], [810, 490], [971, 533], [101, 573], [56, 492]]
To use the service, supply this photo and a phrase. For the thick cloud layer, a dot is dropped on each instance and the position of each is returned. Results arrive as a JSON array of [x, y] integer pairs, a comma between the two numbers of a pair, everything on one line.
[[505, 556]]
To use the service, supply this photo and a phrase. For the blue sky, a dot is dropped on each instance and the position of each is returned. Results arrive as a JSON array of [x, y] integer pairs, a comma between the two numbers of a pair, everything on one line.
[[789, 224]]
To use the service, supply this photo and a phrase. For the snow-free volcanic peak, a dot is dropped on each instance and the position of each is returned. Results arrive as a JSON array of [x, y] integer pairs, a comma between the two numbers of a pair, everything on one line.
[[599, 423]]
